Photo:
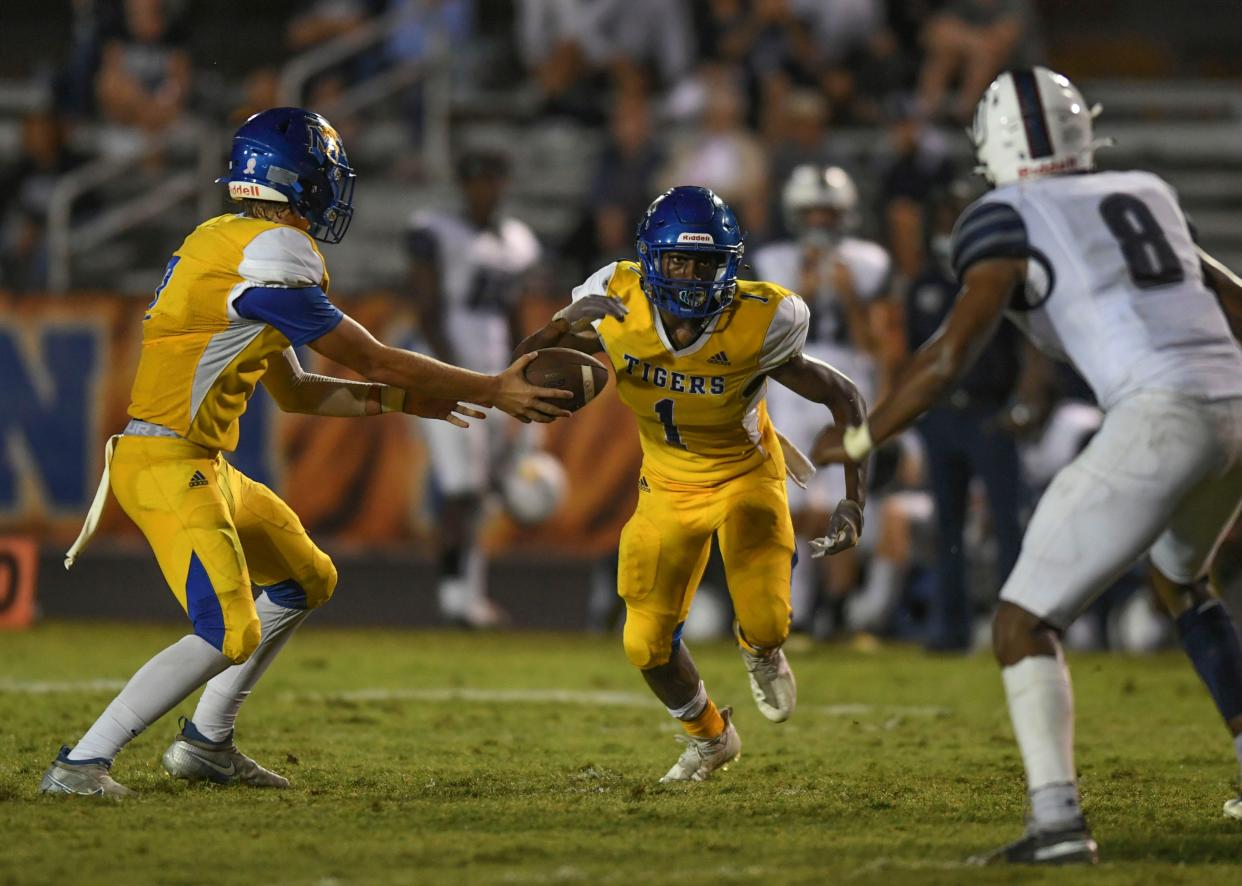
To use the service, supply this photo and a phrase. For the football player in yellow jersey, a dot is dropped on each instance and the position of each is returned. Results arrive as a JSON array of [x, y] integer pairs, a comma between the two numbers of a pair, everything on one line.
[[692, 347], [237, 297]]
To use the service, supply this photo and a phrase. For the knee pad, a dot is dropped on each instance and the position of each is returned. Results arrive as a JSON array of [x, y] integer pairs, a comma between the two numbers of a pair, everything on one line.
[[240, 643], [311, 590], [646, 646], [767, 630]]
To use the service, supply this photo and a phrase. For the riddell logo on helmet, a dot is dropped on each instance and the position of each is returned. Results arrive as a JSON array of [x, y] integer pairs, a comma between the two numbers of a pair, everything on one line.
[[241, 190], [1049, 168], [689, 237]]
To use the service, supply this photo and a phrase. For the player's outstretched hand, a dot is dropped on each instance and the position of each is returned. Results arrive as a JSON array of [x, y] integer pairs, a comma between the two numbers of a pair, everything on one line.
[[585, 311], [445, 410], [525, 402], [844, 527], [829, 447]]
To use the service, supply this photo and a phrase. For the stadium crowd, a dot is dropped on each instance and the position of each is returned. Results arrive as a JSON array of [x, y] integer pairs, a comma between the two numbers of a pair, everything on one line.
[[737, 95]]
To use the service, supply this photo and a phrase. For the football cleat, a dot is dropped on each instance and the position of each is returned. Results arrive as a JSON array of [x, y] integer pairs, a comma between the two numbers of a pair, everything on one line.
[[703, 756], [1233, 808], [1069, 845], [89, 778], [192, 757], [771, 683]]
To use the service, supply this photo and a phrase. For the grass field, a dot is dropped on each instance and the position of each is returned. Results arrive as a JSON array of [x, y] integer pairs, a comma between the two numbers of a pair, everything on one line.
[[436, 757]]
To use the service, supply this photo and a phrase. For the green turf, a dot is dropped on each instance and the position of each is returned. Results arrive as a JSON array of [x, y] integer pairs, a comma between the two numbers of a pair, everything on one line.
[[418, 791]]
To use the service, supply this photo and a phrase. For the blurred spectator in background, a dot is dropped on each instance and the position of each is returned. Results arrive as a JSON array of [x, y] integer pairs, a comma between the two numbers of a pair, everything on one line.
[[144, 77], [325, 20], [466, 274], [92, 20], [840, 277], [428, 28], [971, 435], [799, 137], [970, 41], [916, 163], [719, 152], [25, 195], [622, 188], [569, 44], [260, 91]]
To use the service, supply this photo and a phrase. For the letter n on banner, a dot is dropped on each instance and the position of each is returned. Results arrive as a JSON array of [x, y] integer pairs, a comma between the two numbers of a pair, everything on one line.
[[18, 564]]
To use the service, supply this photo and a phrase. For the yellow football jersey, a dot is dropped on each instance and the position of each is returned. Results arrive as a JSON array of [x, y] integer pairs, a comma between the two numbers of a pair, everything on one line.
[[239, 291], [700, 409]]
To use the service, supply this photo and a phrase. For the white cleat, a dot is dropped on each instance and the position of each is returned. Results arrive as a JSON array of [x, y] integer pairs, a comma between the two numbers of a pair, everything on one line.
[[86, 779], [772, 683], [1233, 808], [703, 756], [196, 760]]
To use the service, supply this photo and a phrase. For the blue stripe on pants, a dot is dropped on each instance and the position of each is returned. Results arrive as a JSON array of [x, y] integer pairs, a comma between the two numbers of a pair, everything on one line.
[[202, 605]]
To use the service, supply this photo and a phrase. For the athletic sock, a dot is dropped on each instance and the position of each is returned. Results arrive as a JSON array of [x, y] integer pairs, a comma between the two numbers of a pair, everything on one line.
[[699, 716], [222, 699], [871, 607], [157, 687], [462, 581], [1041, 706], [1211, 642]]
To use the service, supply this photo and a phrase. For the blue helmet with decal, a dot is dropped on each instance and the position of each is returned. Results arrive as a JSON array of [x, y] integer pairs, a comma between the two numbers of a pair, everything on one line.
[[689, 219], [294, 156]]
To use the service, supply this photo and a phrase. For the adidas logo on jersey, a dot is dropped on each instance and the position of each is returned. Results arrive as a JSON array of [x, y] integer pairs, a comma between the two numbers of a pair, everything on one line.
[[198, 480], [642, 485], [720, 358]]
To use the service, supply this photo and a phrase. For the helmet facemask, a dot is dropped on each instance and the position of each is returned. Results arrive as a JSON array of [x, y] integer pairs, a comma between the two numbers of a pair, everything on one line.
[[690, 298]]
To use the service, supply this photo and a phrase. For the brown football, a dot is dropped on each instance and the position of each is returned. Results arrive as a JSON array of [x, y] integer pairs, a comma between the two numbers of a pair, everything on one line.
[[569, 370]]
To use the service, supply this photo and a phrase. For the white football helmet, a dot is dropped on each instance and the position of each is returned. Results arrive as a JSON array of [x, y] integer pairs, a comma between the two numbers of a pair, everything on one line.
[[819, 187], [534, 487], [1031, 123]]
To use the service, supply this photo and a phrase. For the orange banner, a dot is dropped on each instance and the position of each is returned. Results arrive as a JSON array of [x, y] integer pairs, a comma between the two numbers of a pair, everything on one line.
[[67, 364]]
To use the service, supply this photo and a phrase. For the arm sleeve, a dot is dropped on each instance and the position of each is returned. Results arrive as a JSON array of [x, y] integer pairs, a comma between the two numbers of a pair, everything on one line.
[[282, 256], [596, 284], [988, 230], [302, 314], [786, 333]]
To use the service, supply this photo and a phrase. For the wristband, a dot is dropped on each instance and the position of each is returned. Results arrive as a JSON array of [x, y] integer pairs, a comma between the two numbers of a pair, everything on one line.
[[857, 442], [391, 399]]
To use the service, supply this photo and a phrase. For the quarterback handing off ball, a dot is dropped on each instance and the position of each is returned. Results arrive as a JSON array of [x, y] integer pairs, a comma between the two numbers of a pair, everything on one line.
[[569, 370]]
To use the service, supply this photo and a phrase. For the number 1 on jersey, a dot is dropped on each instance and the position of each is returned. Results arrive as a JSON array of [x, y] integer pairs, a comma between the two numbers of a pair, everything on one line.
[[672, 436]]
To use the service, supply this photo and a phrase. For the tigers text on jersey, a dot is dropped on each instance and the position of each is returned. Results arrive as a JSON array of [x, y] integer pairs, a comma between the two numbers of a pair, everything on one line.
[[1114, 282], [480, 270], [239, 291], [700, 409]]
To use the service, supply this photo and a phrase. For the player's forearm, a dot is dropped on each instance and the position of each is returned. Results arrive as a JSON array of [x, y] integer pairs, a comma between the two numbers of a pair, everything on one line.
[[820, 383], [338, 397], [932, 372], [548, 337], [430, 378]]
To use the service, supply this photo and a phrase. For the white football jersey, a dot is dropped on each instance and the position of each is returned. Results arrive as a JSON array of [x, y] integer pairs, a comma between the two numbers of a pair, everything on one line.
[[1114, 283], [828, 338], [480, 271]]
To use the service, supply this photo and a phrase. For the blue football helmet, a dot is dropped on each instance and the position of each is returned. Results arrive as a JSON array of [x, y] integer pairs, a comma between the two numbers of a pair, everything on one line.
[[689, 219], [294, 156]]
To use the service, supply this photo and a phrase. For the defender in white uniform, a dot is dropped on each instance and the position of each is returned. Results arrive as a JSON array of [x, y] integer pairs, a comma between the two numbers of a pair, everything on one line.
[[1102, 270], [841, 277], [466, 273]]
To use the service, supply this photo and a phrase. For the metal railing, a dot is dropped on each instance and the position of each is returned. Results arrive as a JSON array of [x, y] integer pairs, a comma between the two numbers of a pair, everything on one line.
[[65, 240]]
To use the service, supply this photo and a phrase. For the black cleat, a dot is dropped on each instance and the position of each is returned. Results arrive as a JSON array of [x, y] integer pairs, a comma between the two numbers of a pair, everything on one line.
[[1069, 845]]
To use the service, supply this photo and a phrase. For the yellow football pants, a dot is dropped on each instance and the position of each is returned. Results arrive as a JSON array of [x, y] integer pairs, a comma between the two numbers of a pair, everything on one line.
[[664, 550], [215, 533]]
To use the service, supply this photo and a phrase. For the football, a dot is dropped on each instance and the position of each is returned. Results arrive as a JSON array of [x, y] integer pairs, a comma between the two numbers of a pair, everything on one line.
[[569, 370]]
